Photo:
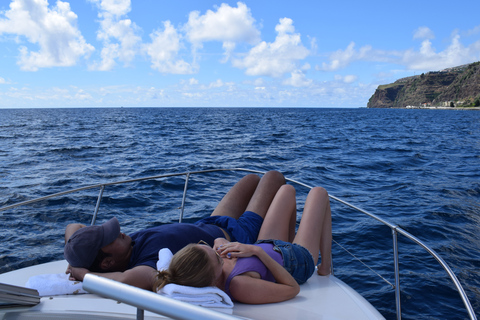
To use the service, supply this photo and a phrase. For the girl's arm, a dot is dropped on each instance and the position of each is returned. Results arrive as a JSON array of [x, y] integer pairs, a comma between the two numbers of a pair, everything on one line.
[[251, 290]]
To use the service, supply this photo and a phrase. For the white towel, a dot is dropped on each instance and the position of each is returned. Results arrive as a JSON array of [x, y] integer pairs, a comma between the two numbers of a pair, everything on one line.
[[164, 257], [54, 284], [210, 297]]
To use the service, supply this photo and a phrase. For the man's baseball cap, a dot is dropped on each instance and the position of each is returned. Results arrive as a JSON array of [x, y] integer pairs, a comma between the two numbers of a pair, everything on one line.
[[83, 246]]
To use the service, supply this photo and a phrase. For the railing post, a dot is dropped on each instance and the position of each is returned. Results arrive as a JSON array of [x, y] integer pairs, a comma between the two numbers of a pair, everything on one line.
[[397, 274], [184, 196], [140, 314], [97, 206]]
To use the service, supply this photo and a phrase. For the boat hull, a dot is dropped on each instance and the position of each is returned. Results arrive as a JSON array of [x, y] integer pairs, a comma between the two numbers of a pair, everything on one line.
[[320, 298]]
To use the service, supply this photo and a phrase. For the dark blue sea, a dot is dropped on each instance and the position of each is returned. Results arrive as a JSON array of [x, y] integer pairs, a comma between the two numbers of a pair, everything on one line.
[[419, 169]]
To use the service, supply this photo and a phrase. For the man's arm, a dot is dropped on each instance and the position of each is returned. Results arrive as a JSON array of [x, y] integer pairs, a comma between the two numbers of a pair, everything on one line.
[[141, 276], [71, 228]]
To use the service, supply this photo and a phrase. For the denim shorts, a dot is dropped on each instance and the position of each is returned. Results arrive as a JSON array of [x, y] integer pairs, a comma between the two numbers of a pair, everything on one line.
[[244, 230], [297, 260]]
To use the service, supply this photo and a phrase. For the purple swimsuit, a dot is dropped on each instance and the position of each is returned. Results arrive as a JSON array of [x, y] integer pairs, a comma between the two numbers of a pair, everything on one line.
[[254, 264]]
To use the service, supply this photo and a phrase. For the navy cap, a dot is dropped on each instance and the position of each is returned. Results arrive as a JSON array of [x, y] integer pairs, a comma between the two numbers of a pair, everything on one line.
[[83, 246]]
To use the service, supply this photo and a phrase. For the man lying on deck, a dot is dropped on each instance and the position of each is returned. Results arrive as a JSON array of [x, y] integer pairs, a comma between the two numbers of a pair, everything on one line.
[[105, 251]]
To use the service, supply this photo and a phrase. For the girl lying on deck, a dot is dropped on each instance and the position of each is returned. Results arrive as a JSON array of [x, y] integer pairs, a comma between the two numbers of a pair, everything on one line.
[[269, 270]]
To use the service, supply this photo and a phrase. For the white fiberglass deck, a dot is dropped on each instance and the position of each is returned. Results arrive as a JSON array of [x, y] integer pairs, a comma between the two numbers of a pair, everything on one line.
[[319, 298]]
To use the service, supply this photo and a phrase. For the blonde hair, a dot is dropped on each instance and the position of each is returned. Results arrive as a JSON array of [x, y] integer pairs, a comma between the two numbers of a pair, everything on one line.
[[190, 266]]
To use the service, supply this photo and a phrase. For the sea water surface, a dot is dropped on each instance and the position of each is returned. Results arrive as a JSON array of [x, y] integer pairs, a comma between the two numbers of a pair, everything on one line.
[[418, 169]]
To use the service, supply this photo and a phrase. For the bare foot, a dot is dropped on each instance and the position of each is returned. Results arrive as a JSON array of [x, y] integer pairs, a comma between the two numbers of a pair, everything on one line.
[[323, 270]]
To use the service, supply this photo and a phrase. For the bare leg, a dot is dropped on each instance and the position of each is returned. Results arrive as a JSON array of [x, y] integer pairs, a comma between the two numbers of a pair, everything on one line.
[[280, 216], [315, 230], [235, 202], [265, 192], [250, 194]]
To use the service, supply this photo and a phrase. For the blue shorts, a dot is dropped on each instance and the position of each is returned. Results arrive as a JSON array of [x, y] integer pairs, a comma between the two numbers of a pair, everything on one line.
[[244, 230], [297, 260]]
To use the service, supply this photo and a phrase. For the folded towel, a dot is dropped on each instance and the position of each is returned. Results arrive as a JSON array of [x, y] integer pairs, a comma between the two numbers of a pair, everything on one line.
[[211, 297], [54, 284]]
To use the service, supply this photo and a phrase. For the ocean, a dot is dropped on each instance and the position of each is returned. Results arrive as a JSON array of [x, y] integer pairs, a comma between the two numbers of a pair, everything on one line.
[[418, 169]]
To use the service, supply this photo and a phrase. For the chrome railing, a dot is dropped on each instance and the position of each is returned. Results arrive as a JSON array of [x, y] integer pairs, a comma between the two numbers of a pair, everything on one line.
[[150, 301], [396, 230]]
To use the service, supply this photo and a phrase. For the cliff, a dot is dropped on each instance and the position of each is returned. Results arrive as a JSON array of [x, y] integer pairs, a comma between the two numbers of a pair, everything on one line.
[[452, 87]]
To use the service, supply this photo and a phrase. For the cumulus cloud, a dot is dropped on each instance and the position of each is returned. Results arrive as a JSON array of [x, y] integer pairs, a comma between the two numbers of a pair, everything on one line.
[[53, 29], [119, 36], [163, 51], [228, 25], [428, 59], [276, 58]]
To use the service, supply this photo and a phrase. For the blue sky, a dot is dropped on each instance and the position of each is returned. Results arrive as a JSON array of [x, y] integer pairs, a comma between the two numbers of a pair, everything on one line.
[[153, 53]]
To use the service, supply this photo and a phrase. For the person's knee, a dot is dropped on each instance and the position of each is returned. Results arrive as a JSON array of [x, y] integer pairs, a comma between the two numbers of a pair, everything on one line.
[[319, 192], [286, 191], [276, 176], [287, 188], [251, 178]]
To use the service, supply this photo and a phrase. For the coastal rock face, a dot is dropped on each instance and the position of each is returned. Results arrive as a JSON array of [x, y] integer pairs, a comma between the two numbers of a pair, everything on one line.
[[453, 87]]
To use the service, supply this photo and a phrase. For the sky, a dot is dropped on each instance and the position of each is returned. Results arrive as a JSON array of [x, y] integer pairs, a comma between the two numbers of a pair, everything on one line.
[[203, 53]]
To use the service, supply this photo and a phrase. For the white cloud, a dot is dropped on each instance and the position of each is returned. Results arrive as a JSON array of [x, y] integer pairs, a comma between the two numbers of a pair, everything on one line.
[[152, 93], [216, 84], [428, 59], [313, 45], [342, 58], [298, 79], [2, 81], [163, 51], [53, 29], [229, 25], [306, 67], [346, 79], [425, 58], [228, 46], [114, 7], [82, 95], [276, 58], [195, 95], [474, 31], [423, 33], [119, 36], [350, 78]]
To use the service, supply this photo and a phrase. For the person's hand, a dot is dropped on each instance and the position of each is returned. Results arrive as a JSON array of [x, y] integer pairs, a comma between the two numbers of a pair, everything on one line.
[[76, 274], [69, 270], [237, 250], [219, 242]]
